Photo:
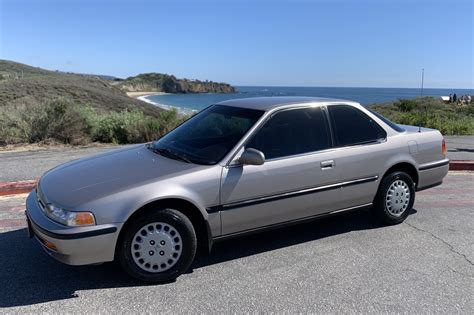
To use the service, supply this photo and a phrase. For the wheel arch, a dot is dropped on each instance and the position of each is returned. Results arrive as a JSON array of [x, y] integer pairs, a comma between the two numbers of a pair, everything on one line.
[[200, 224], [406, 167]]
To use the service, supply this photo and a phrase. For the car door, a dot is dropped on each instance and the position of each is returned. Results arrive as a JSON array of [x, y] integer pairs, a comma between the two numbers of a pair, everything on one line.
[[361, 153], [290, 185]]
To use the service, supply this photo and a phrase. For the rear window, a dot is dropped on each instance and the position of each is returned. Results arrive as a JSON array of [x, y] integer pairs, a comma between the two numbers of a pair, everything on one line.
[[391, 124], [351, 126]]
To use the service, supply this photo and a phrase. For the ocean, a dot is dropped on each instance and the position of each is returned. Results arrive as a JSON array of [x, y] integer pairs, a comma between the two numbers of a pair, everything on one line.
[[188, 103]]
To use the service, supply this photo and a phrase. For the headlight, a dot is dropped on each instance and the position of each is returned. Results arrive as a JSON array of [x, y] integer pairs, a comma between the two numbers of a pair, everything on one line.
[[69, 218]]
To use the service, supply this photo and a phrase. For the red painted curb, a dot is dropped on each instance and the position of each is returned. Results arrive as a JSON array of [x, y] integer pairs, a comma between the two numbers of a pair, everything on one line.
[[461, 166], [20, 187], [25, 186]]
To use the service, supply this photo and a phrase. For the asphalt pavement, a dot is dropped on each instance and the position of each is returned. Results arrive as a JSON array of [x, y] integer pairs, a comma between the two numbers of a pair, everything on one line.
[[460, 147], [344, 264], [27, 165]]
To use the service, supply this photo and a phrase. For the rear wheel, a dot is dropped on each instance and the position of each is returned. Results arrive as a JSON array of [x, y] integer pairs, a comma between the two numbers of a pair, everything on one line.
[[395, 198], [158, 247]]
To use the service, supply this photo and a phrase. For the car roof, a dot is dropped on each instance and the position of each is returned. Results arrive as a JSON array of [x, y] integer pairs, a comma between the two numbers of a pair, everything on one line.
[[268, 103]]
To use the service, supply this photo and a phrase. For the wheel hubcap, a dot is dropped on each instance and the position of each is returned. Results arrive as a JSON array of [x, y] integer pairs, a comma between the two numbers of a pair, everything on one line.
[[156, 247], [397, 198]]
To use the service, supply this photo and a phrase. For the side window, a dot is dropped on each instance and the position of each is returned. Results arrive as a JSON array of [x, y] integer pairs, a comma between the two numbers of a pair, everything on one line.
[[352, 126], [292, 132]]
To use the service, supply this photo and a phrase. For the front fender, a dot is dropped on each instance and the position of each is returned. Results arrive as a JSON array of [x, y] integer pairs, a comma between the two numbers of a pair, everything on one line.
[[200, 190]]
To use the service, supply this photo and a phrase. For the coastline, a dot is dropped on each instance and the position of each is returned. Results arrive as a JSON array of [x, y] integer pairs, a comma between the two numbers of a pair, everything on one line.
[[143, 96], [139, 94]]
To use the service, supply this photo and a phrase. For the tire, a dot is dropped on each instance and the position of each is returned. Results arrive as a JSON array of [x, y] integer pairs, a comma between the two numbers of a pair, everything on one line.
[[395, 198], [158, 246]]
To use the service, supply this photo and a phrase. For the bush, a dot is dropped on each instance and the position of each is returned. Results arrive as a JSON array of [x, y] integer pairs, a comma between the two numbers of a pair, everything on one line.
[[405, 105], [431, 113], [126, 127], [56, 119], [169, 120], [60, 120]]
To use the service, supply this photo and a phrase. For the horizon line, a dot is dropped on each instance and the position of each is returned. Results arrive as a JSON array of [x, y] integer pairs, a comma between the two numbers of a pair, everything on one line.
[[356, 87]]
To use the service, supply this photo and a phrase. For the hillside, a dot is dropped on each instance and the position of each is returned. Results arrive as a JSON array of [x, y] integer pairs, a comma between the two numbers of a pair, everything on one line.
[[158, 82], [23, 84]]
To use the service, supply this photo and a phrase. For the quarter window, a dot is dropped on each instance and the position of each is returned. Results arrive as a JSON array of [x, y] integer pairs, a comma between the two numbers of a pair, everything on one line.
[[351, 126], [292, 132]]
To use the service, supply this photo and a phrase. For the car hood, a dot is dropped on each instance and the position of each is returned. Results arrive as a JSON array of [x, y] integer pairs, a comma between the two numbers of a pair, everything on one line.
[[77, 182]]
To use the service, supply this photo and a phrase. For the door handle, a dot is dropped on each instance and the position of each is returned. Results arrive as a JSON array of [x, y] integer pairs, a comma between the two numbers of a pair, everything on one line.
[[326, 165]]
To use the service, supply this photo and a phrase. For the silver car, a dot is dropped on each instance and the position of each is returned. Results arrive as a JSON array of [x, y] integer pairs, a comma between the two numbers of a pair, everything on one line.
[[237, 167]]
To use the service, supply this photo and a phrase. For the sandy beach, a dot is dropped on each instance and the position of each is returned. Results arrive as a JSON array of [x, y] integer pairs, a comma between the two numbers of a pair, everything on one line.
[[143, 96], [138, 94]]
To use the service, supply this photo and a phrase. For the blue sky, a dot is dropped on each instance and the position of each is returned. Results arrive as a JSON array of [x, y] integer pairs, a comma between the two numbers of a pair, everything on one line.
[[375, 43]]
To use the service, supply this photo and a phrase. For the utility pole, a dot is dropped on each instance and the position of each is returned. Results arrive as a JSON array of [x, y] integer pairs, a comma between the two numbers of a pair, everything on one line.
[[422, 79]]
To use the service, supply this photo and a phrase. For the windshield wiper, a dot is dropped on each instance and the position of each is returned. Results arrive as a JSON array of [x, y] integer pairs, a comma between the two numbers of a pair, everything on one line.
[[170, 154]]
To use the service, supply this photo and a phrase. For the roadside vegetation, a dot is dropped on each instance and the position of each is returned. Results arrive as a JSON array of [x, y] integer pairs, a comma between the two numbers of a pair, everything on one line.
[[62, 121], [430, 112]]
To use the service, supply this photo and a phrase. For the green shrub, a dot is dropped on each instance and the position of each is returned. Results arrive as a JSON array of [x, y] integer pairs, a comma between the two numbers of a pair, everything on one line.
[[118, 127], [60, 120], [129, 126], [169, 119], [56, 119], [429, 112], [405, 105]]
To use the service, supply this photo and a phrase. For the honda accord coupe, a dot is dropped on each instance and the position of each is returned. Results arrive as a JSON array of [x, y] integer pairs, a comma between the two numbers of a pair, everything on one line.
[[237, 167]]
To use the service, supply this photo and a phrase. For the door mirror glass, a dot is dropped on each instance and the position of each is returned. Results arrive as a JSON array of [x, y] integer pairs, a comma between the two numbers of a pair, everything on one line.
[[252, 157]]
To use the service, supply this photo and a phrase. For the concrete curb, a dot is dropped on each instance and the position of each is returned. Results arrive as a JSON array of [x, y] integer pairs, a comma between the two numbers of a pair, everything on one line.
[[25, 186]]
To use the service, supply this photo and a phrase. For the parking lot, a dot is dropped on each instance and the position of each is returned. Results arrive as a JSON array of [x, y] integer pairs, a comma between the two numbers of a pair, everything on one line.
[[347, 263]]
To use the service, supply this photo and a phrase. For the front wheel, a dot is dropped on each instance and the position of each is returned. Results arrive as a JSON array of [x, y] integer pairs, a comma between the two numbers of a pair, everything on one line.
[[395, 198], [158, 247]]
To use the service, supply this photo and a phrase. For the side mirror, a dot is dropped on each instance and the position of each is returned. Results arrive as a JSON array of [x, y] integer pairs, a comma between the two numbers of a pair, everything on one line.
[[252, 157]]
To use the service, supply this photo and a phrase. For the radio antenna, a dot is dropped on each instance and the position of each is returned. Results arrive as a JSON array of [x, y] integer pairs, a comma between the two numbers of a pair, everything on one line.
[[421, 92], [422, 79]]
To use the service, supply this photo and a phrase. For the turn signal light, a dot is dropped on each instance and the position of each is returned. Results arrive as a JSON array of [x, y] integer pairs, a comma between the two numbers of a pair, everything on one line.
[[443, 147], [49, 245], [84, 218]]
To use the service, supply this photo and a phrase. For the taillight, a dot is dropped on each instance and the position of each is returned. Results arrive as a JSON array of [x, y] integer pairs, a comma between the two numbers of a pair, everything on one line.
[[443, 147]]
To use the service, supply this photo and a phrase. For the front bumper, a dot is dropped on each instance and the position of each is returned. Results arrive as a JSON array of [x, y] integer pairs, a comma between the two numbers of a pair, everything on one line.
[[73, 245]]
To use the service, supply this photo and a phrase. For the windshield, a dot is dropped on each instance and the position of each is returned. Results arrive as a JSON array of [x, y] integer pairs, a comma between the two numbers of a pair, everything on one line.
[[207, 137]]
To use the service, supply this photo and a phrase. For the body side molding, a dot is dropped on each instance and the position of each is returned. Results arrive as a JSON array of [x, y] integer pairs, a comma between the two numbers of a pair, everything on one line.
[[291, 194]]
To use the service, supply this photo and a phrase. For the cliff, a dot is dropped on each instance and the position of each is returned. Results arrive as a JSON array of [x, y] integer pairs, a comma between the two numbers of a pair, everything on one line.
[[158, 82]]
